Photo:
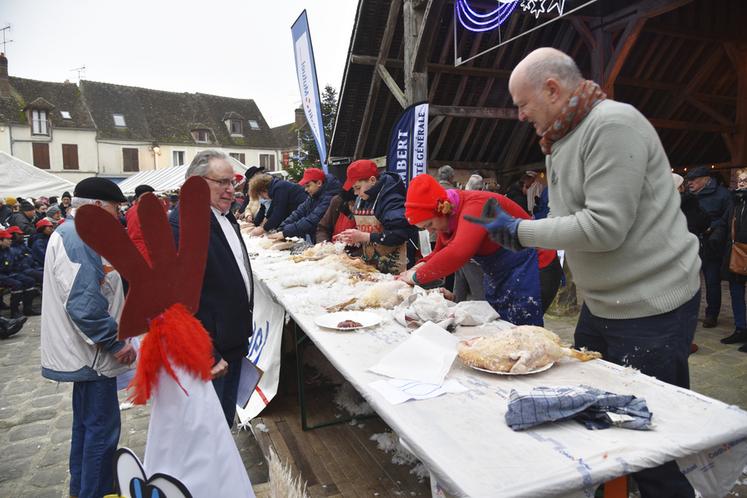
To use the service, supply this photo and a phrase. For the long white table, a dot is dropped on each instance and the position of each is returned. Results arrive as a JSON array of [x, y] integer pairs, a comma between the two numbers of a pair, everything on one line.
[[463, 438]]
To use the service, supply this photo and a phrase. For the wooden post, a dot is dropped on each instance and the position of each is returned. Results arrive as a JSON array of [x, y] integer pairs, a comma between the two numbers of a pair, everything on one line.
[[416, 83]]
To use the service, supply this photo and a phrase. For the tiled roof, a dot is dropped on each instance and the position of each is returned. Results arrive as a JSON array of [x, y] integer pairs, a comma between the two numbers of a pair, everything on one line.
[[286, 136], [50, 96], [170, 117]]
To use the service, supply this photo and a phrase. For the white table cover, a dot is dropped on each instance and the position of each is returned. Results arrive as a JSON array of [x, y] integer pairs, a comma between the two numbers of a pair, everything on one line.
[[465, 442]]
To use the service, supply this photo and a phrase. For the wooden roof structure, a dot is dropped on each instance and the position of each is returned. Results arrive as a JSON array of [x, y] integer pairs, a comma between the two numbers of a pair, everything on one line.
[[682, 63]]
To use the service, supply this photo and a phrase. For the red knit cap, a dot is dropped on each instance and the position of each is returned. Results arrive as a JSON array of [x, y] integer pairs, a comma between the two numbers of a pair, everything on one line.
[[426, 199]]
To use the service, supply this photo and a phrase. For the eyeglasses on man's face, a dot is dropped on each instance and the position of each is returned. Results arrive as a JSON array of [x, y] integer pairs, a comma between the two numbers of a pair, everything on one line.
[[224, 182]]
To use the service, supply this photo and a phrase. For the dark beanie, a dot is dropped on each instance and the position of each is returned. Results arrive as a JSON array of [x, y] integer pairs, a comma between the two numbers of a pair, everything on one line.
[[27, 206], [100, 189], [142, 189], [66, 194]]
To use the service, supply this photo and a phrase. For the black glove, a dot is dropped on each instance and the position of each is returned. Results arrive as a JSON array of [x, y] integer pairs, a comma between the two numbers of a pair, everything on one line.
[[501, 226]]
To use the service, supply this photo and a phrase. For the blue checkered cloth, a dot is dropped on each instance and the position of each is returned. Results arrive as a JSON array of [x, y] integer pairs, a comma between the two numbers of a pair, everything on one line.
[[585, 404]]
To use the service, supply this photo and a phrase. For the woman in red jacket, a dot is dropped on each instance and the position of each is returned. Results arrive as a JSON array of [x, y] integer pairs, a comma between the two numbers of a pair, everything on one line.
[[512, 283]]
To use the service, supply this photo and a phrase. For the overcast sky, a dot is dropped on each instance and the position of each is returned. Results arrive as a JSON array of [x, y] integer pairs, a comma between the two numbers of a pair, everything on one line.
[[233, 48]]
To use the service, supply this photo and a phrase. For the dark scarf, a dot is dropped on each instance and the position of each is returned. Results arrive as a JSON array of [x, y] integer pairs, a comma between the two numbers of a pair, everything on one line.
[[586, 95]]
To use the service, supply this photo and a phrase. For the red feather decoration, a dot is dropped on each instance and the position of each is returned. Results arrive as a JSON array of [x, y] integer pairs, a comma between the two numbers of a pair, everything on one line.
[[175, 338]]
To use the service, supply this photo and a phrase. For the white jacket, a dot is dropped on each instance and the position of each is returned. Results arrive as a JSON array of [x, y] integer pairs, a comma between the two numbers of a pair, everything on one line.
[[81, 307]]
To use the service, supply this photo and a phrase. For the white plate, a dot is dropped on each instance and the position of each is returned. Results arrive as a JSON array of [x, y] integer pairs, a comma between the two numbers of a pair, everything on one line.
[[330, 320], [541, 369]]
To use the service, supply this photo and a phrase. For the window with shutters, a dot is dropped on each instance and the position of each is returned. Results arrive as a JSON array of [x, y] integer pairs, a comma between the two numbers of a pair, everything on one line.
[[234, 126], [267, 161], [39, 124], [201, 136], [41, 155], [130, 159], [177, 158], [239, 156], [69, 156]]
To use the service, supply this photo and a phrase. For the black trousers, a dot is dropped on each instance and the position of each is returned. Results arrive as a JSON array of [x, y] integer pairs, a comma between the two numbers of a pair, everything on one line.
[[656, 345]]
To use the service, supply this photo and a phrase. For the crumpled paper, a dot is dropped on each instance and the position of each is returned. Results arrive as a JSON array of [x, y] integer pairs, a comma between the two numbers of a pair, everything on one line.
[[423, 306]]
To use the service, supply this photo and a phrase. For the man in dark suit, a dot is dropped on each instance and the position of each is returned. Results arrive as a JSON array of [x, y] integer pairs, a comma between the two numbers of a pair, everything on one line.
[[226, 300]]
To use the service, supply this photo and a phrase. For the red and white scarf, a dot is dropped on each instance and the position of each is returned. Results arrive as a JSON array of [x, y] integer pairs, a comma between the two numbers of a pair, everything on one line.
[[583, 99]]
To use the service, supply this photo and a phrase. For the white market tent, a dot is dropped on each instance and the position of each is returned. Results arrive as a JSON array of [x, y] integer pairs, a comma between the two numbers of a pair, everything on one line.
[[166, 179], [21, 179]]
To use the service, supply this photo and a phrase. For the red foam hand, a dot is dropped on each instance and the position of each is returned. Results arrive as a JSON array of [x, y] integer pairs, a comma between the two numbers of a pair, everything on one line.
[[173, 276]]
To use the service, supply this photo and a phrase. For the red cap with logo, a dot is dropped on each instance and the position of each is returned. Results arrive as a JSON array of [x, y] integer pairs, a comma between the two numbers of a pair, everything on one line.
[[4, 234], [362, 169], [15, 229], [311, 175], [43, 223]]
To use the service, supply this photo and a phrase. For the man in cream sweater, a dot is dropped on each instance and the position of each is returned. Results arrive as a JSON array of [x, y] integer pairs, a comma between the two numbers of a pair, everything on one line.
[[614, 212]]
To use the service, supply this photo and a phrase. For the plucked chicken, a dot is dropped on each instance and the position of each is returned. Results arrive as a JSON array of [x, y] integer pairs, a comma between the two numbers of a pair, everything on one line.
[[522, 349]]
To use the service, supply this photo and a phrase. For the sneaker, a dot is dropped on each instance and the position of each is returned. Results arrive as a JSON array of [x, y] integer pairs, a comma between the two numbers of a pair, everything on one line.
[[693, 348], [709, 322], [739, 335]]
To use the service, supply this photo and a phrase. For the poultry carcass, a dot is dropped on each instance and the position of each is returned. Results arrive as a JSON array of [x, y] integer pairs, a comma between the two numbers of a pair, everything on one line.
[[319, 251], [386, 294], [522, 349]]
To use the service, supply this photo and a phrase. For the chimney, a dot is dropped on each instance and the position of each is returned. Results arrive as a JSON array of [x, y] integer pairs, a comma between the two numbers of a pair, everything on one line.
[[4, 81], [300, 117]]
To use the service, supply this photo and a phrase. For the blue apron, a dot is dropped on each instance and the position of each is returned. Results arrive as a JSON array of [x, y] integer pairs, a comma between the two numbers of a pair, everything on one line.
[[512, 285]]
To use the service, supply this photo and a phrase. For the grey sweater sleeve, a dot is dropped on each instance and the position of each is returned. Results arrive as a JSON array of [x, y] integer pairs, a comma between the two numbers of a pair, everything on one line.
[[615, 157]]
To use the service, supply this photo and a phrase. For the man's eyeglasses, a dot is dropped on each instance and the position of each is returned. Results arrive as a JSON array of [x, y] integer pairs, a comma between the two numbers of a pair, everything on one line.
[[224, 183]]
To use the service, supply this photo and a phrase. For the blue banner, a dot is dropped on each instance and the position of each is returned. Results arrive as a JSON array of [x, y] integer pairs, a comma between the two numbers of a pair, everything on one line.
[[408, 147], [307, 83]]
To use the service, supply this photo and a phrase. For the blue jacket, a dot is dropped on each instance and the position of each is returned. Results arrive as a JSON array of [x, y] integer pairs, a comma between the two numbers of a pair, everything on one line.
[[81, 304], [306, 217], [225, 309], [387, 200], [286, 197], [39, 249], [715, 200]]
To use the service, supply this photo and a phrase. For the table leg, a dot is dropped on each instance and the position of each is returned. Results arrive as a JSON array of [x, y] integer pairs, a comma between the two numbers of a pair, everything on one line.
[[300, 339]]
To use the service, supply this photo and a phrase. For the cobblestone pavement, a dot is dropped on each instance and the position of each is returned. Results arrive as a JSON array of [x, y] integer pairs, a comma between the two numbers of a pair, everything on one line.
[[35, 414], [35, 422]]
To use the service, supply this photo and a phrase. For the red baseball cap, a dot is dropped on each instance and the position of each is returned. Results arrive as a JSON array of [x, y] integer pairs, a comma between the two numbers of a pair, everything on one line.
[[43, 223], [15, 229], [4, 234], [311, 175], [362, 169]]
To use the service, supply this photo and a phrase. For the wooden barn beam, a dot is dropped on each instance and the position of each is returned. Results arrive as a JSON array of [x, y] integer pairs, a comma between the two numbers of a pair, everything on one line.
[[432, 67], [738, 56], [386, 77], [671, 124], [434, 122], [426, 34], [627, 40], [686, 34], [646, 8], [469, 165], [707, 109], [416, 79], [373, 92], [473, 112]]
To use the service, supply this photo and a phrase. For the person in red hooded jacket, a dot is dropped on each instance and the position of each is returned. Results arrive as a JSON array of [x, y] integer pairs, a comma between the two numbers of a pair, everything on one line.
[[512, 281]]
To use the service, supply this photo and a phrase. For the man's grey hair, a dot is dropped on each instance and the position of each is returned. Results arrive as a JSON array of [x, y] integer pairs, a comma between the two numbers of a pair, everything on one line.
[[475, 182], [557, 65], [201, 163], [446, 173]]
